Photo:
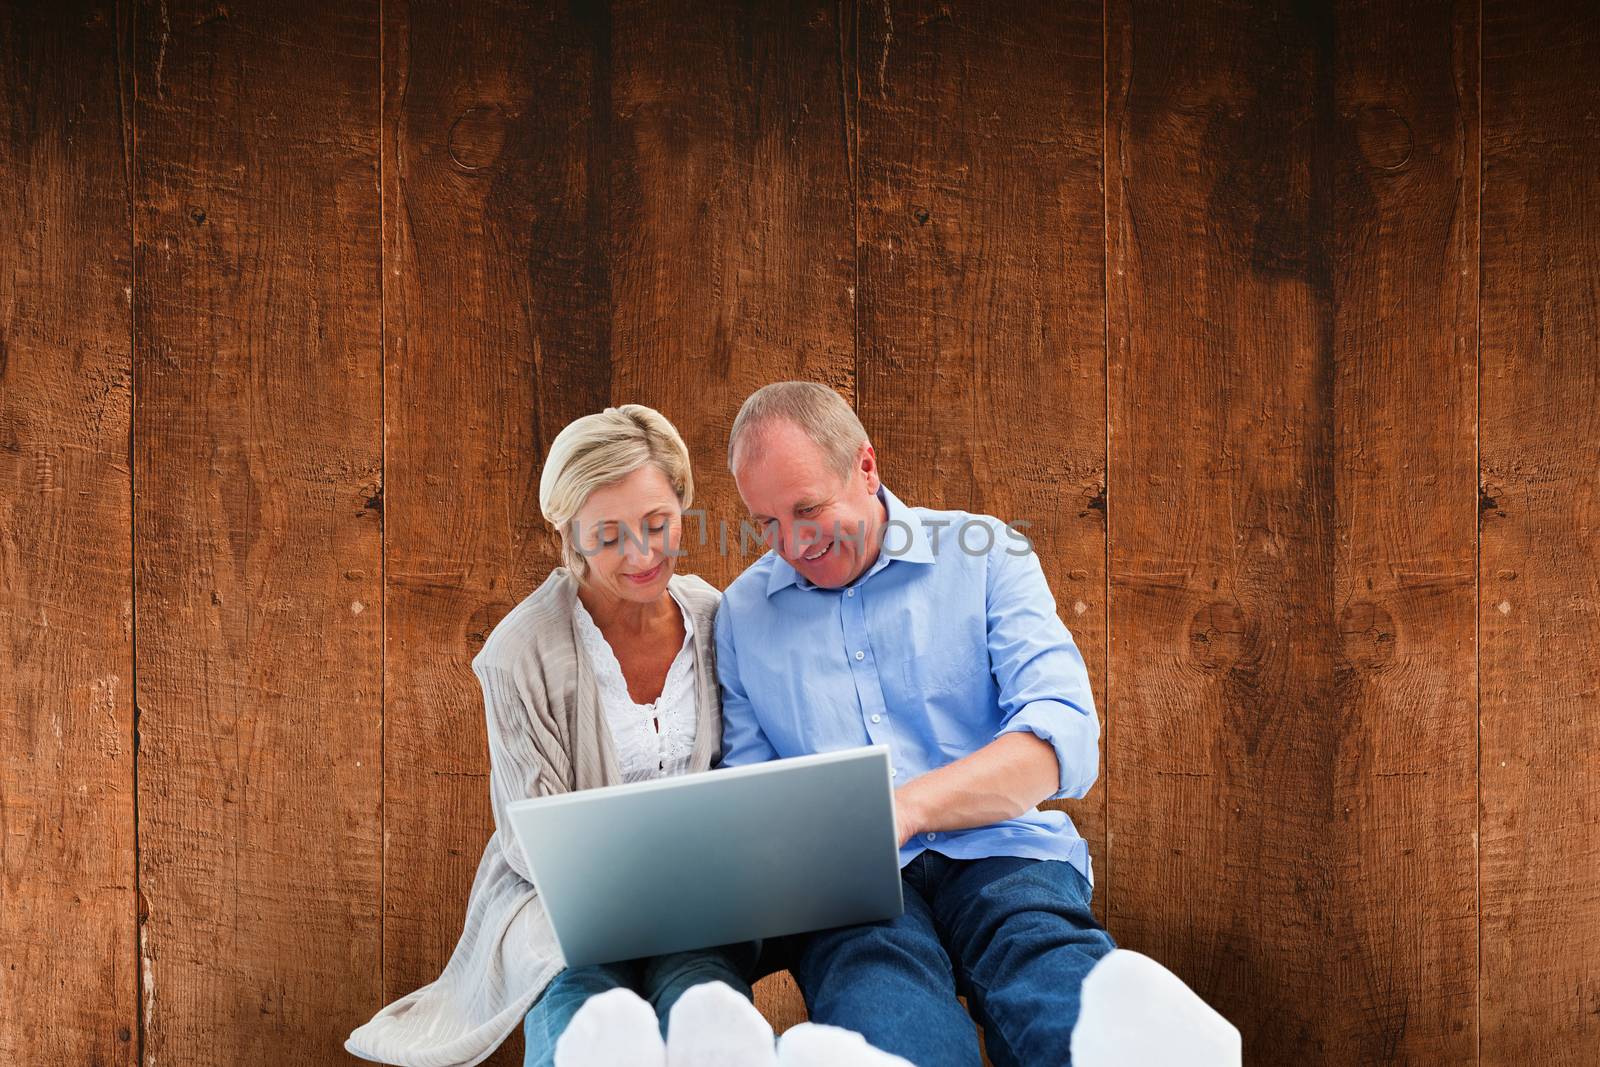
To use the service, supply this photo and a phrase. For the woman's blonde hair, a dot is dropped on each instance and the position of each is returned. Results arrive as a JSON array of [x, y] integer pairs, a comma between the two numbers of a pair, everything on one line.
[[603, 448]]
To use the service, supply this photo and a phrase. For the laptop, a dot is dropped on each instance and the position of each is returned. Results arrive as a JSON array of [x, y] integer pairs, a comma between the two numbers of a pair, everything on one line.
[[715, 857]]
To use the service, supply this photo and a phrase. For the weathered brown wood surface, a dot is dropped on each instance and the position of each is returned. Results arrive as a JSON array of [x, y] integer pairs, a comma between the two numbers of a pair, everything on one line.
[[68, 956], [982, 374], [731, 244], [1404, 256], [294, 297], [495, 332], [1539, 539], [258, 555], [1292, 327]]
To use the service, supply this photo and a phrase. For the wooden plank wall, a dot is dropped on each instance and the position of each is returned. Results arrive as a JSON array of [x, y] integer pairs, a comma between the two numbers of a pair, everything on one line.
[[1539, 540], [493, 195], [982, 263], [258, 553], [1278, 322], [1293, 335], [67, 787]]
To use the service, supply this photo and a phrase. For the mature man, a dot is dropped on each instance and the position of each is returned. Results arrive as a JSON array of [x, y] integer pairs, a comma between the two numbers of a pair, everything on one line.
[[934, 633]]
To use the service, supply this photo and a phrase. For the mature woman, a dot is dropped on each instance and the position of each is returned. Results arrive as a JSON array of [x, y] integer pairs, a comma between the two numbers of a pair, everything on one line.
[[602, 675]]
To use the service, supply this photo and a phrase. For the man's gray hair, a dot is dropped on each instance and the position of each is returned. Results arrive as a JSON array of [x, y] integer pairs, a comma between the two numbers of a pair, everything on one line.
[[819, 412]]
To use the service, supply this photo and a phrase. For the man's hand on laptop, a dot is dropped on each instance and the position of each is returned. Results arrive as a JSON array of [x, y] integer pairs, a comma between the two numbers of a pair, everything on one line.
[[1002, 780], [905, 821]]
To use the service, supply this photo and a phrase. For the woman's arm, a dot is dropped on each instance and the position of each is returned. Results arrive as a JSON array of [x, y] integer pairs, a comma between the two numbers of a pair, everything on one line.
[[514, 763]]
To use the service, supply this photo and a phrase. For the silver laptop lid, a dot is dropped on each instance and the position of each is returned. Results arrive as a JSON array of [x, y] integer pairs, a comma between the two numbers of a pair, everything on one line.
[[716, 857]]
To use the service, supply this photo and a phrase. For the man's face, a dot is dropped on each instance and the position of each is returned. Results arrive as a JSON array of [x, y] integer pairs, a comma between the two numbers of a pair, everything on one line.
[[825, 527]]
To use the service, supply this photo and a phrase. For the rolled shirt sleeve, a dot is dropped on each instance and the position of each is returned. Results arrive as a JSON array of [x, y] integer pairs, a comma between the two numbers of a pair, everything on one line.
[[1041, 675]]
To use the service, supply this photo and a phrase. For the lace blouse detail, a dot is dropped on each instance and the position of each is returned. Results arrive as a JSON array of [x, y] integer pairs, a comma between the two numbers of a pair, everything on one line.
[[643, 752]]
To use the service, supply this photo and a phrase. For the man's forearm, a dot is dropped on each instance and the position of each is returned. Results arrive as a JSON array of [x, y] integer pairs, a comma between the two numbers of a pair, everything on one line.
[[1000, 781]]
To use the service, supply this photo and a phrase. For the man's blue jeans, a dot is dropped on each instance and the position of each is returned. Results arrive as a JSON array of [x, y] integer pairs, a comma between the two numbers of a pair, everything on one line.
[[661, 980], [1014, 936]]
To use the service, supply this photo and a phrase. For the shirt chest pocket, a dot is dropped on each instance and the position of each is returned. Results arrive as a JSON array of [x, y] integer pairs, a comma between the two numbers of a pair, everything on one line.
[[945, 670]]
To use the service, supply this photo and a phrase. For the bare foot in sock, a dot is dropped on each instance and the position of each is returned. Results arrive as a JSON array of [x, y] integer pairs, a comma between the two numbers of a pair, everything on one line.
[[614, 1027], [1136, 1013], [713, 1025], [817, 1045]]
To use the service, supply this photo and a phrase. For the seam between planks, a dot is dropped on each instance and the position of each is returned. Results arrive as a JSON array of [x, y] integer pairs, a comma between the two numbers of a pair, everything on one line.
[[1477, 555], [131, 141], [1105, 365], [383, 539]]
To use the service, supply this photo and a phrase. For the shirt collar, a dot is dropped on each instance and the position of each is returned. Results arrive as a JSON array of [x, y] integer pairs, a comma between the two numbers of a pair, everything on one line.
[[904, 540]]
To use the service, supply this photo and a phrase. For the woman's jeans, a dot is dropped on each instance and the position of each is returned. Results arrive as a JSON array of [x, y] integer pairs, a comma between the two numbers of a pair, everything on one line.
[[661, 980]]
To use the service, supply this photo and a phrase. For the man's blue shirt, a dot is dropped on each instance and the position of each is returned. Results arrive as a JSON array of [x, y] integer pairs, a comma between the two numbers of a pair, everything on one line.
[[947, 641]]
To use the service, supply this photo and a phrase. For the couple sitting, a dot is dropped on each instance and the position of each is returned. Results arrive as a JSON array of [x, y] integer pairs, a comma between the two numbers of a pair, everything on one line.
[[869, 621]]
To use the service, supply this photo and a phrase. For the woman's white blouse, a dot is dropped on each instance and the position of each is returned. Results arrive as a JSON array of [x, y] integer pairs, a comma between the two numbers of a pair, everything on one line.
[[643, 752]]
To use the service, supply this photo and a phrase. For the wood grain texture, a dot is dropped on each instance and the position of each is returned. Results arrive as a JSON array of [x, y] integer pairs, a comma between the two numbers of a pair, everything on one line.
[[294, 297], [982, 317], [1221, 511], [1403, 963], [1291, 317], [495, 338], [732, 244], [257, 448], [68, 963], [1539, 575]]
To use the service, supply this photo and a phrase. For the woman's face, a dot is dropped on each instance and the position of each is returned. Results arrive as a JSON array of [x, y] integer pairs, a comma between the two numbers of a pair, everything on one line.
[[628, 532]]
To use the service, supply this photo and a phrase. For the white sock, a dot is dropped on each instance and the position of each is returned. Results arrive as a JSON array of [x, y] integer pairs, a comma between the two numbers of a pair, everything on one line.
[[819, 1045], [614, 1027], [713, 1025], [1136, 1013]]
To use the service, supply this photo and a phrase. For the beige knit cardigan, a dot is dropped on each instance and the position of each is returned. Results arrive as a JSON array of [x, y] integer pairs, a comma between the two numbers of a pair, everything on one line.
[[547, 734]]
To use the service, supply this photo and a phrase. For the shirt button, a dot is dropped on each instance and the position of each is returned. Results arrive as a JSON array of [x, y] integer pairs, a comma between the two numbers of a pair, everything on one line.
[[930, 837], [877, 718], [893, 773], [861, 655], [849, 592]]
